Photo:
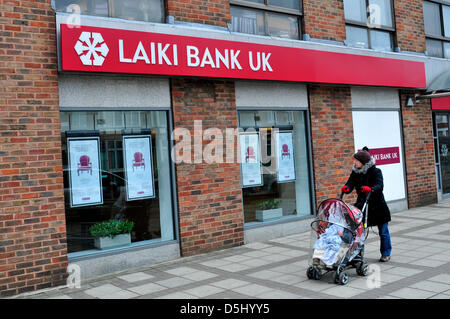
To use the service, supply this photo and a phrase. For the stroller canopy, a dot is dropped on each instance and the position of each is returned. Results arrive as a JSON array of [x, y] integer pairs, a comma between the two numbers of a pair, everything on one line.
[[337, 212]]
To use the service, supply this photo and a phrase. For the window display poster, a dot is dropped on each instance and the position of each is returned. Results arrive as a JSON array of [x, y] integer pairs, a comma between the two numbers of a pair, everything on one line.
[[138, 167], [84, 172], [250, 160], [285, 157]]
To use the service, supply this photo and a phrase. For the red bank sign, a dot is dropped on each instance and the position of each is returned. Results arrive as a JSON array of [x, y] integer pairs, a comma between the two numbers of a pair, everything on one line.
[[94, 49], [386, 156]]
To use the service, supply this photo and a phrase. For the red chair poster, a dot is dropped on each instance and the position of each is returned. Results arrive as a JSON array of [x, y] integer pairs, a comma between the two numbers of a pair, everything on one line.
[[85, 184], [137, 155]]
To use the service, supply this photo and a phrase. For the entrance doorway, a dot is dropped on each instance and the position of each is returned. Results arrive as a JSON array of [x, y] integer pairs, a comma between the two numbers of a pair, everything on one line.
[[441, 121]]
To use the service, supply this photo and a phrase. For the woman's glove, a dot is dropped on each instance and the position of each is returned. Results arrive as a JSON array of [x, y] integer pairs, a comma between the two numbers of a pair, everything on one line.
[[345, 189], [366, 190]]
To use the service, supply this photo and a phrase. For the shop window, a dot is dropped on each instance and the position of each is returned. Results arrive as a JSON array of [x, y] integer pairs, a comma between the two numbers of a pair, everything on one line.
[[277, 186], [139, 10], [151, 211], [437, 28], [369, 24], [267, 17]]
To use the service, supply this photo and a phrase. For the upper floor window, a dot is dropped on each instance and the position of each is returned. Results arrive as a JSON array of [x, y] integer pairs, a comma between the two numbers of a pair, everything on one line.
[[275, 18], [370, 24], [139, 10], [437, 28]]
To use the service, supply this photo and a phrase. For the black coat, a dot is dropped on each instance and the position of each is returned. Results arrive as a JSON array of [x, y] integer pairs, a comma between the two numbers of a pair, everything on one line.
[[379, 213]]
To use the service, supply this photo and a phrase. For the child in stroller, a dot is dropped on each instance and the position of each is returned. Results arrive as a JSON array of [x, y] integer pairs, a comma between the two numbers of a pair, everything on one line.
[[331, 244], [338, 236]]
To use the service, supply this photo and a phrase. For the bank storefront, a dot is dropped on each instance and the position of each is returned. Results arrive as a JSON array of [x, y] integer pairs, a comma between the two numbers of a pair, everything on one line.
[[119, 108]]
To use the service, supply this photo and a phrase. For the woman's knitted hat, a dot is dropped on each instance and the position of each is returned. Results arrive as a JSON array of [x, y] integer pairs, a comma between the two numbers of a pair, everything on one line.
[[363, 155]]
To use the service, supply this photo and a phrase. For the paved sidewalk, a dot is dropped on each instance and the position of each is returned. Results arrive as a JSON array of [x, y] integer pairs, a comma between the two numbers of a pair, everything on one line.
[[276, 269]]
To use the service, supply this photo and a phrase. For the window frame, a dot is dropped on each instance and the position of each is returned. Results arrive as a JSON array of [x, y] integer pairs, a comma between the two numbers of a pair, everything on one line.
[[111, 11], [359, 24], [442, 38], [266, 8], [309, 160]]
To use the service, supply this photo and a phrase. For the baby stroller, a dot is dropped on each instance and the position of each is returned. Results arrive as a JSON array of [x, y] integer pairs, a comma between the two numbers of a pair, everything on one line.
[[337, 240]]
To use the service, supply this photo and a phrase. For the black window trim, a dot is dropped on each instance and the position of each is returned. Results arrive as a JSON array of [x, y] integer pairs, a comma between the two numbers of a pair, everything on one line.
[[111, 10], [268, 7], [265, 9], [442, 38], [368, 27]]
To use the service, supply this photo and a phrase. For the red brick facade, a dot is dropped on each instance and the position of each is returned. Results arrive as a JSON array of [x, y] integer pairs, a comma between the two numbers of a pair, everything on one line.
[[209, 195], [419, 152], [33, 251], [215, 12], [324, 19], [410, 27], [332, 138]]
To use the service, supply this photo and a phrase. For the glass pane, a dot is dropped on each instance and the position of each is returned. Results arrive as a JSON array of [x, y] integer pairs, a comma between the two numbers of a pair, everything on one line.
[[265, 118], [110, 121], [447, 50], [275, 200], [432, 18], [446, 18], [355, 10], [284, 117], [135, 120], [246, 119], [140, 10], [65, 122], [291, 4], [152, 217], [434, 48], [283, 26], [357, 37], [444, 145], [87, 7], [380, 12], [381, 40], [247, 21], [82, 121]]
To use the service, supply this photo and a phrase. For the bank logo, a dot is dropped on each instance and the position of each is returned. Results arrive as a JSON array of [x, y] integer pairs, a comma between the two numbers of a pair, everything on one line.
[[91, 48]]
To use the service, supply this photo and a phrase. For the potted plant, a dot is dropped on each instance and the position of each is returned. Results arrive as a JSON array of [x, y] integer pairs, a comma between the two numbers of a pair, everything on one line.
[[112, 233], [269, 209]]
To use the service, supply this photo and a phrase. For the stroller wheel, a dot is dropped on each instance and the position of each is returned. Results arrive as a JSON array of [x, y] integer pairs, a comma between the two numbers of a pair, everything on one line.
[[340, 276], [343, 278], [314, 273], [310, 272], [362, 269], [317, 274]]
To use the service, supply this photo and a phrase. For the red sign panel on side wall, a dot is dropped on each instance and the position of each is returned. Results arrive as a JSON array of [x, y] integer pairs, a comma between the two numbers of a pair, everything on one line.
[[94, 49], [440, 103]]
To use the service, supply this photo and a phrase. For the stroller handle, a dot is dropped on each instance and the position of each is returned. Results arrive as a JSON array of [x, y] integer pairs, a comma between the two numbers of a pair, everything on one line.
[[366, 201]]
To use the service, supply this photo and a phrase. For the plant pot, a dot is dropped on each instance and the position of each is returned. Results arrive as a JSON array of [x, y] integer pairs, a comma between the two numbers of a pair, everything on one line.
[[116, 241], [263, 215]]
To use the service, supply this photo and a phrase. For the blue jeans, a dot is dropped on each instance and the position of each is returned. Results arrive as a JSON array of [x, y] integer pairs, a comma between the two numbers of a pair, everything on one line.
[[385, 240]]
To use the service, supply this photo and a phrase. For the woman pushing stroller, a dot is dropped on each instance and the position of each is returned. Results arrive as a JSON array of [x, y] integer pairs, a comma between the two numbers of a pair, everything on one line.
[[367, 178]]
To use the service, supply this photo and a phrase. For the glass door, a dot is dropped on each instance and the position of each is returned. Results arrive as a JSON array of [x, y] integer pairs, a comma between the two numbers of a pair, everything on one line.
[[443, 136]]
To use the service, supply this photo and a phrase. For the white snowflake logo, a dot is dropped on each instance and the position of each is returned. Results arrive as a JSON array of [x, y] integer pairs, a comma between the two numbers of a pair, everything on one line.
[[91, 52]]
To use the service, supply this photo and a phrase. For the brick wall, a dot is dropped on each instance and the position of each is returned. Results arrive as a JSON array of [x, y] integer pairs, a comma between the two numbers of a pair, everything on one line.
[[332, 139], [419, 152], [209, 195], [410, 27], [200, 11], [324, 19], [32, 222]]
